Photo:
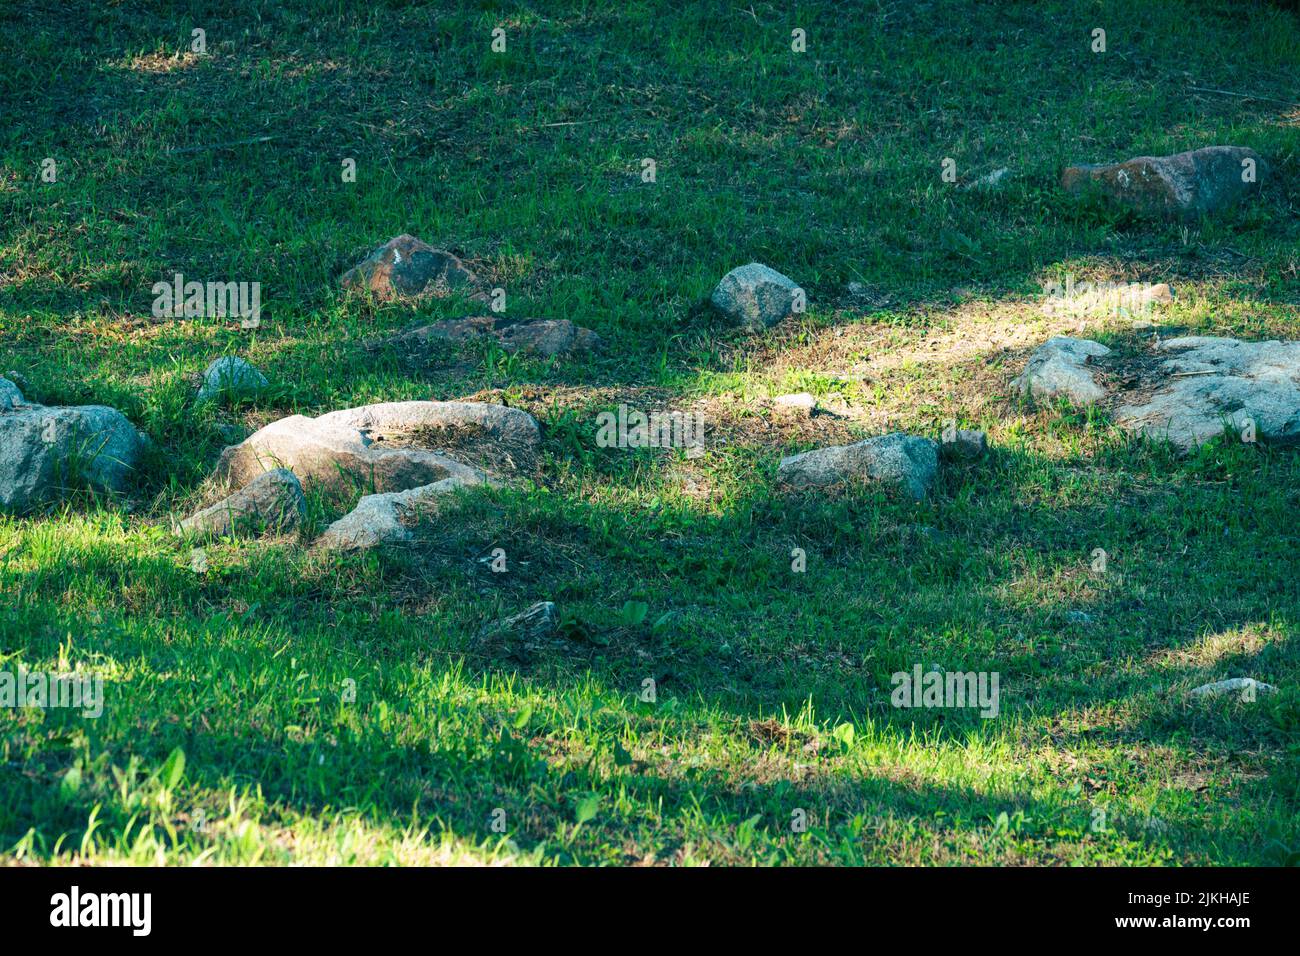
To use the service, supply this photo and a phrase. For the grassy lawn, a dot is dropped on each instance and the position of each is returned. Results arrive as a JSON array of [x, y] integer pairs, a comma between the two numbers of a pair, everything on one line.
[[771, 737]]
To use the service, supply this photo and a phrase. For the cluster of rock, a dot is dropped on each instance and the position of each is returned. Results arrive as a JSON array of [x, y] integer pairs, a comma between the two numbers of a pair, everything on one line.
[[408, 268], [545, 337], [1197, 388], [413, 454]]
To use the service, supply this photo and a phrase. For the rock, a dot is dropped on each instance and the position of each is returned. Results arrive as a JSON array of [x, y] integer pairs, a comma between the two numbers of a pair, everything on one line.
[[966, 444], [1246, 686], [405, 266], [802, 402], [1190, 184], [547, 337], [45, 450], [1059, 368], [534, 629], [231, 377], [391, 446], [10, 396], [390, 518], [909, 462], [755, 296], [1211, 383], [271, 502]]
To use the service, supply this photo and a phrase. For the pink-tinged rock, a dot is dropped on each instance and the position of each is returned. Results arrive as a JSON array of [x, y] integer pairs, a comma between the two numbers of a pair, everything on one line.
[[1190, 184], [405, 266], [546, 337]]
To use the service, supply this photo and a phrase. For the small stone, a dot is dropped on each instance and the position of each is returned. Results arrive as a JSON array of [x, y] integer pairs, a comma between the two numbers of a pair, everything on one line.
[[966, 444], [272, 502], [533, 629], [406, 266], [1243, 685], [1060, 368], [1188, 185], [755, 296], [909, 462], [231, 377]]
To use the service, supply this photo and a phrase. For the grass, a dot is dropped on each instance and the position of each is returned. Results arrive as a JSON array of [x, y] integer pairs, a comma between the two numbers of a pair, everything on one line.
[[338, 710]]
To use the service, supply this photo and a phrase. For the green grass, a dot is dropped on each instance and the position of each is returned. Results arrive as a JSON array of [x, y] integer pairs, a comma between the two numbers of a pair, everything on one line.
[[772, 687]]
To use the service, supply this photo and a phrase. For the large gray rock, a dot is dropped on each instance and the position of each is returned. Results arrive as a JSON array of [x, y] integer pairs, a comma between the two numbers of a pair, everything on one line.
[[231, 377], [406, 266], [391, 518], [1186, 184], [1060, 369], [271, 502], [755, 296], [1209, 384], [546, 337], [392, 446], [906, 461], [46, 450]]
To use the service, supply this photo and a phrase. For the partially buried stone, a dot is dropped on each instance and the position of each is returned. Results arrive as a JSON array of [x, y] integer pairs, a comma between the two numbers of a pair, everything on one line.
[[1189, 184], [407, 266], [902, 460], [271, 502]]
